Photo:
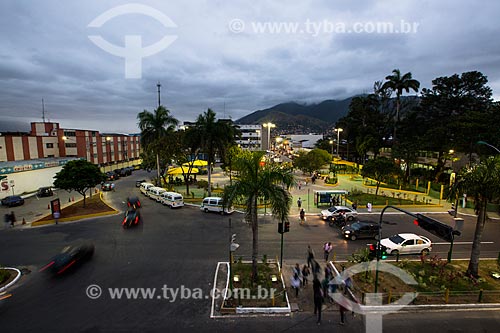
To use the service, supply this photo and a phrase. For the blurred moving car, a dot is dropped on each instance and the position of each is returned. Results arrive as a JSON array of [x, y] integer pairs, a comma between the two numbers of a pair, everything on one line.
[[44, 192], [108, 186], [70, 257], [111, 175], [132, 218], [407, 243], [360, 229], [334, 211], [133, 202], [12, 200]]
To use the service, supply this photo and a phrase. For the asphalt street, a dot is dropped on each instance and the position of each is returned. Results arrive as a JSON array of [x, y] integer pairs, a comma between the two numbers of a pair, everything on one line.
[[180, 249]]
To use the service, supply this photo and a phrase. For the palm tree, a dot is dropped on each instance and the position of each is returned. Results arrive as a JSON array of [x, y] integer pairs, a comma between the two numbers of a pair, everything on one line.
[[256, 181], [482, 183], [213, 136], [398, 83], [155, 126]]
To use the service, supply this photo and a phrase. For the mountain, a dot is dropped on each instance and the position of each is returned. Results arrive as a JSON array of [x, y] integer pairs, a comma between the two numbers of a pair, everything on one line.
[[301, 118]]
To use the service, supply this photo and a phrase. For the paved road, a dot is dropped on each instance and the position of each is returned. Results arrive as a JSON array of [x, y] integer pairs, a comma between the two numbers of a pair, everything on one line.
[[174, 248]]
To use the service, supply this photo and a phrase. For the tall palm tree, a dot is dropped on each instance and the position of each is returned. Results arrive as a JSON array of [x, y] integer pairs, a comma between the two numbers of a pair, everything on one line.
[[482, 183], [256, 181], [153, 127], [213, 136], [398, 83]]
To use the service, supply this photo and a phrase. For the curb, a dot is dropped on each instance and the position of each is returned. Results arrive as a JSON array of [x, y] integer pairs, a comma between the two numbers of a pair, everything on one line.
[[74, 218], [13, 281]]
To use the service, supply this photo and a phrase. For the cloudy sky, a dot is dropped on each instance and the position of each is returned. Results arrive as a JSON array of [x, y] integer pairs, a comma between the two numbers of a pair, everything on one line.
[[244, 55]]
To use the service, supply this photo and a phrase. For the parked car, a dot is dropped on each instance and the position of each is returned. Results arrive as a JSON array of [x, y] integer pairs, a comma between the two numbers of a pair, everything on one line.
[[214, 204], [44, 192], [12, 200], [108, 186], [144, 188], [332, 212], [70, 257], [139, 182], [407, 243], [172, 199], [360, 229], [111, 175]]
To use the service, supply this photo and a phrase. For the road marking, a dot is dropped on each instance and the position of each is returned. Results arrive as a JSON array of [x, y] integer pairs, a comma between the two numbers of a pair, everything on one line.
[[461, 243]]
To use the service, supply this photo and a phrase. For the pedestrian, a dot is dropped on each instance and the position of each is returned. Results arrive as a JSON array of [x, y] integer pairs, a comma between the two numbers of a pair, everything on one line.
[[328, 272], [305, 274], [7, 220], [369, 207], [318, 299], [302, 215], [300, 185], [332, 201], [310, 256], [327, 248], [295, 283], [355, 205], [348, 284], [299, 203], [296, 269], [12, 219], [57, 215], [342, 311]]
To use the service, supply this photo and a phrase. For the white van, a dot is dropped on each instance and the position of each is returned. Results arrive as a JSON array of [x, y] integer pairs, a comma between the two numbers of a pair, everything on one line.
[[144, 188], [172, 199], [214, 204], [155, 193]]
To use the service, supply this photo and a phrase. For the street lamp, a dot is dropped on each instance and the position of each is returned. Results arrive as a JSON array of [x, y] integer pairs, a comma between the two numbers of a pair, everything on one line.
[[338, 130], [487, 144], [451, 152], [269, 126], [331, 142]]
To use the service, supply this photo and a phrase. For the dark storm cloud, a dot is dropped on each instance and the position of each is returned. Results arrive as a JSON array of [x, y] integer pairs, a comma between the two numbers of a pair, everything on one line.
[[46, 54]]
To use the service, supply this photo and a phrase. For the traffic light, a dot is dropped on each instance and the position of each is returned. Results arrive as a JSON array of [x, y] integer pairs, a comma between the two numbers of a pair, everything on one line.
[[287, 226], [283, 227], [280, 227], [383, 252], [373, 251], [436, 228]]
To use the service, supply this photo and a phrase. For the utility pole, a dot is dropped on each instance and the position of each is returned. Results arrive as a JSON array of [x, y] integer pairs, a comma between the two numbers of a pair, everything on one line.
[[159, 86], [43, 111]]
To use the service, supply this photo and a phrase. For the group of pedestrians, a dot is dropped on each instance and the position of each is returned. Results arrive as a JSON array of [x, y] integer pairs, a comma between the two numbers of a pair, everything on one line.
[[322, 288], [9, 219]]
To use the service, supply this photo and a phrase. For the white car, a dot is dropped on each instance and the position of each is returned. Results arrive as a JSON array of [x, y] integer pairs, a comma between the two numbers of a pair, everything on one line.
[[407, 244], [332, 212]]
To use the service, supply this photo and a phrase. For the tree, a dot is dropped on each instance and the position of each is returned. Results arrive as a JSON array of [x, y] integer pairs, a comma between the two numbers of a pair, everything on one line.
[[456, 112], [230, 158], [398, 83], [256, 181], [482, 183], [79, 176], [312, 161], [155, 126], [380, 169], [213, 136]]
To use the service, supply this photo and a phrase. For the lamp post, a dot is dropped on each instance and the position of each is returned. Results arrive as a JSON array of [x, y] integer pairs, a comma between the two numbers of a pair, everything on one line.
[[331, 142], [269, 126], [451, 152], [487, 144], [108, 151], [338, 130]]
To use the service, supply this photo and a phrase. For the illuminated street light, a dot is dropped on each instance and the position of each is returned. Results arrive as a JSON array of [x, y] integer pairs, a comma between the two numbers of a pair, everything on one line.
[[269, 126], [338, 130], [331, 142]]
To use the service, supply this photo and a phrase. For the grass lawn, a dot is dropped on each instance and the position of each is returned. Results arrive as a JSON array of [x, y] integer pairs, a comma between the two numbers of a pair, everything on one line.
[[260, 294], [93, 205], [383, 199], [434, 277]]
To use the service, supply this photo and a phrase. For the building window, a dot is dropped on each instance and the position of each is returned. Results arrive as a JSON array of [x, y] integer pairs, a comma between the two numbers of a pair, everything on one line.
[[68, 133], [49, 145], [70, 145]]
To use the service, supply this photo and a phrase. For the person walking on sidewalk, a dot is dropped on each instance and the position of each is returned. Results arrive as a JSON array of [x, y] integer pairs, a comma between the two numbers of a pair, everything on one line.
[[299, 203], [305, 274], [318, 299], [302, 215], [327, 248], [295, 283], [310, 256], [12, 219]]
